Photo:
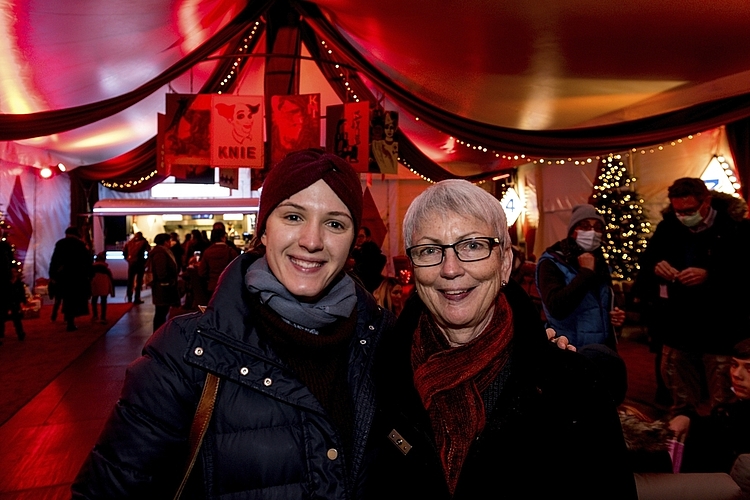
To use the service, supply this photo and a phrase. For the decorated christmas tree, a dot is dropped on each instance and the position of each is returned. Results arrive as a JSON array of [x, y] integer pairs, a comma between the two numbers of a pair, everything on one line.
[[625, 237]]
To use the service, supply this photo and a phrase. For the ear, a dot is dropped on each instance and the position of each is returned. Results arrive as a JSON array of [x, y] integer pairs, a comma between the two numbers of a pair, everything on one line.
[[506, 265]]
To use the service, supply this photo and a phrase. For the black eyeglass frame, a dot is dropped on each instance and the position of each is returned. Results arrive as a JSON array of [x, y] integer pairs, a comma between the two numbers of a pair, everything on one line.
[[494, 242]]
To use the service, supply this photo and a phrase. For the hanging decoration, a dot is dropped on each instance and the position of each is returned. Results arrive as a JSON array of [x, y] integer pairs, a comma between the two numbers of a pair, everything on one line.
[[720, 177]]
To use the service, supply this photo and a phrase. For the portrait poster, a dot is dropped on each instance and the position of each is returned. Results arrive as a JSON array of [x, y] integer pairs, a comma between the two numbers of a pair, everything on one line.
[[236, 131], [384, 147], [347, 133], [187, 133], [295, 124]]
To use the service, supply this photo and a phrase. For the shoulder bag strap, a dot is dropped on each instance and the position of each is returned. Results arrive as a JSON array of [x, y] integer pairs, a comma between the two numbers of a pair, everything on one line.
[[200, 424]]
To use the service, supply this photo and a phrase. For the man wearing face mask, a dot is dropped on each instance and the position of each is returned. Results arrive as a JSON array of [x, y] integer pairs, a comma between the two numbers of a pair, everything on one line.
[[694, 284], [575, 283]]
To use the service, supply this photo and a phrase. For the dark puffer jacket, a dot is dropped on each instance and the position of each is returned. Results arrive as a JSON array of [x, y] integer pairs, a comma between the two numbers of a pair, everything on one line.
[[269, 437], [553, 432]]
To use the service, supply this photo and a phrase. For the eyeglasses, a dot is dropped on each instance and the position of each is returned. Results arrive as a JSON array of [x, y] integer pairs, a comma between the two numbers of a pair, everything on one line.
[[468, 250], [587, 226]]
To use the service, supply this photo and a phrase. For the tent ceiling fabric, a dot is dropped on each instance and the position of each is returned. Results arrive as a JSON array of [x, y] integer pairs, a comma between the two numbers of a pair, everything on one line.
[[518, 64]]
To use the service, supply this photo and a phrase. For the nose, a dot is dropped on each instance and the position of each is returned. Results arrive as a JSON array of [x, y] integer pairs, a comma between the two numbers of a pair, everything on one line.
[[451, 266], [311, 238]]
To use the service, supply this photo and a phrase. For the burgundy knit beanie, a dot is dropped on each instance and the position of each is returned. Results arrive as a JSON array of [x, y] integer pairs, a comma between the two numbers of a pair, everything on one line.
[[302, 169]]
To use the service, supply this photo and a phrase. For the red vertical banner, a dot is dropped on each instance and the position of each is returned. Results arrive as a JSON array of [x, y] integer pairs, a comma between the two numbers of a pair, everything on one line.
[[236, 131], [162, 168], [295, 124], [18, 219]]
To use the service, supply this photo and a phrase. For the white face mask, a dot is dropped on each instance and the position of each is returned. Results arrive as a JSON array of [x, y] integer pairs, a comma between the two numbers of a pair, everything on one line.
[[588, 240], [691, 220]]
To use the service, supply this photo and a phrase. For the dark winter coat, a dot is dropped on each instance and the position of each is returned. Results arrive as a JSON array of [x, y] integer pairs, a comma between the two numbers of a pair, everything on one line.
[[163, 266], [269, 437], [707, 318], [576, 301], [70, 269], [213, 261], [553, 433]]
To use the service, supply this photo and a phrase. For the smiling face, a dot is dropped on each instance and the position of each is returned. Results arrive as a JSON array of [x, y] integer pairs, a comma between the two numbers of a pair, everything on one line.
[[307, 240], [460, 295]]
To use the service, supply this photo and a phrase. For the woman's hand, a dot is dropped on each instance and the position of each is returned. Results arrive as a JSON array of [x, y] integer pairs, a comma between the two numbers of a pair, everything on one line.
[[617, 316], [561, 342]]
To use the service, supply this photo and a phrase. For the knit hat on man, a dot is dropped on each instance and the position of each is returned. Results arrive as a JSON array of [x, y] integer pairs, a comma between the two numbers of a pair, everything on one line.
[[302, 169], [581, 212]]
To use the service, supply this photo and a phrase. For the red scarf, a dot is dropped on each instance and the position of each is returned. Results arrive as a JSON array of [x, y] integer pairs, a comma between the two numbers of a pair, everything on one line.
[[450, 381]]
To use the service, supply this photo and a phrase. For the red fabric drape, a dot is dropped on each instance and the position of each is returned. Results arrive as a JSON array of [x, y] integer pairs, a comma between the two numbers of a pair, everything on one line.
[[15, 127], [549, 143], [561, 142]]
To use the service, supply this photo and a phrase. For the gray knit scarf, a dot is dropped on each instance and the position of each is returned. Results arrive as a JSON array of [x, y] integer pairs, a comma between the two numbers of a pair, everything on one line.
[[338, 303]]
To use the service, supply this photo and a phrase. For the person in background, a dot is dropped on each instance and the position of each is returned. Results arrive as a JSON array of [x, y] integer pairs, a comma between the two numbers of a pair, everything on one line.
[[196, 243], [215, 259], [136, 252], [164, 291], [715, 441], [12, 292], [176, 248], [228, 240], [291, 337], [389, 294], [472, 395], [692, 282], [70, 268], [102, 286], [369, 260], [185, 244], [575, 283]]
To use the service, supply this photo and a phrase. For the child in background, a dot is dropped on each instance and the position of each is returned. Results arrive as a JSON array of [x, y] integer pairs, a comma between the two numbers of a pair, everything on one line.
[[102, 285]]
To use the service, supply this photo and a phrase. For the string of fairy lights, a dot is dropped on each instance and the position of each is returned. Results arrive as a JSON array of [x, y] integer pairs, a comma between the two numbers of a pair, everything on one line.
[[233, 72], [517, 158]]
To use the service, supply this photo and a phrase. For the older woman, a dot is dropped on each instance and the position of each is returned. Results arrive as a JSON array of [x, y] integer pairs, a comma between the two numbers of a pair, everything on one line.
[[291, 338], [475, 402]]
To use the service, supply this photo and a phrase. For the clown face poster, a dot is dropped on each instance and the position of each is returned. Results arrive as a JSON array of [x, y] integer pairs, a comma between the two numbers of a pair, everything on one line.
[[236, 131]]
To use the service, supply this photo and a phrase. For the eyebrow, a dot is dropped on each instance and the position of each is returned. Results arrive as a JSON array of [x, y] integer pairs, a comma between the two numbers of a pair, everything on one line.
[[335, 213]]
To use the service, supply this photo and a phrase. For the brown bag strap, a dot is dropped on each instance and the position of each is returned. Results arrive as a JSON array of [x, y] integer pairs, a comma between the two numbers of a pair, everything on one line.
[[200, 424]]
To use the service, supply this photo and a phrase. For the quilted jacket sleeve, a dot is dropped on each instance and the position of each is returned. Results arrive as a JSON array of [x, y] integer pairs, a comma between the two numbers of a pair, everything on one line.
[[143, 447]]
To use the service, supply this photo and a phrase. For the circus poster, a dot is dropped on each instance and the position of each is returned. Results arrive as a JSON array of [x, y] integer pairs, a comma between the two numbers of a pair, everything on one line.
[[186, 134], [347, 133], [236, 131], [295, 124]]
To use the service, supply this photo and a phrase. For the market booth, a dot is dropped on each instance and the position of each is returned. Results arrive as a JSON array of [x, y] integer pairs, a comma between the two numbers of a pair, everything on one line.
[[116, 219]]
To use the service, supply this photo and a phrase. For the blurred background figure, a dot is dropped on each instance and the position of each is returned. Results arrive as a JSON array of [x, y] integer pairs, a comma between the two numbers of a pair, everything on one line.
[[70, 268], [136, 252], [12, 292], [102, 286]]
